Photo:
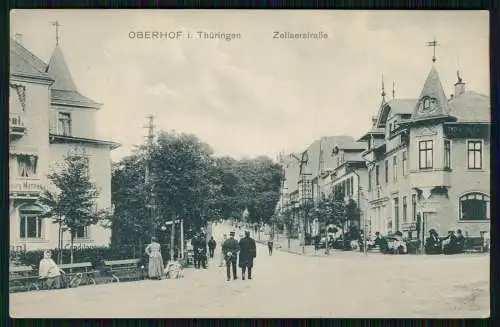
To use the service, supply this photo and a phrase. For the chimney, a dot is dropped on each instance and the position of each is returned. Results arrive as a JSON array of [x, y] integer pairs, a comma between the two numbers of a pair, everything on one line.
[[19, 38], [459, 86]]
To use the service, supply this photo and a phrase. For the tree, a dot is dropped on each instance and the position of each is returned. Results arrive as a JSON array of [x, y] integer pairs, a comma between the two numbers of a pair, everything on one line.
[[73, 204]]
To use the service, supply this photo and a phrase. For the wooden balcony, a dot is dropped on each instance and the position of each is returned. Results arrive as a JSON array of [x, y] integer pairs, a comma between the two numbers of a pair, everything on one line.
[[16, 126]]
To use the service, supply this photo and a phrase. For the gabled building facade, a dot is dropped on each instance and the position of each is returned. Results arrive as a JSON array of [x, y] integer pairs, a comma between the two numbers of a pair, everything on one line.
[[48, 118], [428, 162]]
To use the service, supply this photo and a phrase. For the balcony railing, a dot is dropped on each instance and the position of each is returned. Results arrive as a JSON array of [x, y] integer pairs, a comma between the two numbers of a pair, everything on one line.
[[16, 125]]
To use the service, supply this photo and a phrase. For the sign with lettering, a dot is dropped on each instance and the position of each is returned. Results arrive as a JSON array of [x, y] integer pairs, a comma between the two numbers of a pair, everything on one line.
[[26, 186], [79, 246], [467, 131]]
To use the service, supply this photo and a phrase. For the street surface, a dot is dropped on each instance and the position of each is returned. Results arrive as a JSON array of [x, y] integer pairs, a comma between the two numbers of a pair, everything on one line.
[[343, 285]]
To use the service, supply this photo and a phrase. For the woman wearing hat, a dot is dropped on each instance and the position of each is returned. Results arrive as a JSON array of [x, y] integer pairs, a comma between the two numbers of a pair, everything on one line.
[[433, 244], [155, 268]]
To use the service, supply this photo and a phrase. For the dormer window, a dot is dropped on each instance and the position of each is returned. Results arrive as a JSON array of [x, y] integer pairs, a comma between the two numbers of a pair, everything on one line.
[[427, 104]]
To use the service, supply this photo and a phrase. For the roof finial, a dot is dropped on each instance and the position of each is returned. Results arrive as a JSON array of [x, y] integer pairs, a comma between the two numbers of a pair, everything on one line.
[[383, 88], [393, 90], [434, 43], [57, 25]]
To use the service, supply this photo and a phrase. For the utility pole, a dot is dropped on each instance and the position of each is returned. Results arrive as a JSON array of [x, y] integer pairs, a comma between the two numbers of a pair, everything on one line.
[[148, 178]]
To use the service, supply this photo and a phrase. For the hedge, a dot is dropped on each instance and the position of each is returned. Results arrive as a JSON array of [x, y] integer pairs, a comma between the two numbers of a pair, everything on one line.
[[95, 255]]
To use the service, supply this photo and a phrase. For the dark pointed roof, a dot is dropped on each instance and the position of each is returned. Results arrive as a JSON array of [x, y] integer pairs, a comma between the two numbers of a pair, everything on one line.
[[64, 90], [24, 63], [432, 90]]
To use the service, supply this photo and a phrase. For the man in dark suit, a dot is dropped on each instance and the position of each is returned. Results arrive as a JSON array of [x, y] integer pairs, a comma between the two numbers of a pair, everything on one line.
[[230, 249], [248, 251]]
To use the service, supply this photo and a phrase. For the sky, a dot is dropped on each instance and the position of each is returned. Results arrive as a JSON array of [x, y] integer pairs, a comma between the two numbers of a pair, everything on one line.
[[255, 95]]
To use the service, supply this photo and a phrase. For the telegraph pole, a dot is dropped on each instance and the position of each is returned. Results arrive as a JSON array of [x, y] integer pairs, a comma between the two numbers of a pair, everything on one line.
[[148, 178]]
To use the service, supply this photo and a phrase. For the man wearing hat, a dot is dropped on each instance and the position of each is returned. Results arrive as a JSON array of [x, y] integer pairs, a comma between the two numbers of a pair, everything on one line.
[[230, 249], [248, 251]]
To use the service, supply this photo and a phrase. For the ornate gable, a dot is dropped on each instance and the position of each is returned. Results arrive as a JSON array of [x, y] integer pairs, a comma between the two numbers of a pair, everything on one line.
[[432, 102]]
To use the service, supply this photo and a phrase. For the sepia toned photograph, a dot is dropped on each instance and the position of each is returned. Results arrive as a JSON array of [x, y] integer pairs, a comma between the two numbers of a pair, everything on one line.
[[249, 164]]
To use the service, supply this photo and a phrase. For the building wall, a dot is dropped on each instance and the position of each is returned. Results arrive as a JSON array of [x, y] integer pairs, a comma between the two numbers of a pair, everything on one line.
[[100, 174], [83, 121], [35, 141]]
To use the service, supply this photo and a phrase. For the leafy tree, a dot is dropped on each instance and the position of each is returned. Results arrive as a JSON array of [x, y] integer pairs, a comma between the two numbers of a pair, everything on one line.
[[73, 203]]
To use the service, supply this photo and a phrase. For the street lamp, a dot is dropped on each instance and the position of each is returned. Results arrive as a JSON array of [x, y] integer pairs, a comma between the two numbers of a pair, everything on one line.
[[360, 195], [305, 187]]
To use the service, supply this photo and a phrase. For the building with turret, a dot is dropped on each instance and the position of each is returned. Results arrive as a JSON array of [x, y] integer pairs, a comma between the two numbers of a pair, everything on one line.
[[48, 118], [428, 162]]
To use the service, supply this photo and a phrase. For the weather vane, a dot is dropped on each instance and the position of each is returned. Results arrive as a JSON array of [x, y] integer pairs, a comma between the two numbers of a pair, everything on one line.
[[57, 25], [434, 43]]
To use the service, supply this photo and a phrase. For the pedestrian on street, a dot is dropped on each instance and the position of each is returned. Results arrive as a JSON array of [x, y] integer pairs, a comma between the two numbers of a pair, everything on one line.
[[222, 254], [155, 267], [270, 244], [196, 255], [248, 251], [230, 250], [211, 247]]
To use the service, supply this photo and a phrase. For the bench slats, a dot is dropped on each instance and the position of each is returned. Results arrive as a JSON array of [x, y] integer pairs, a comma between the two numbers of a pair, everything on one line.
[[76, 265], [20, 269], [122, 262]]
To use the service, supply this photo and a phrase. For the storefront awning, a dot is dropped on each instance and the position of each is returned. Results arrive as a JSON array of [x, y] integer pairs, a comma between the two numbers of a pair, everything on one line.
[[24, 151]]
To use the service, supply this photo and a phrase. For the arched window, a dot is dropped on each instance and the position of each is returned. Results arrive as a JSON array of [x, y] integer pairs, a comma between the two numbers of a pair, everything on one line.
[[474, 206]]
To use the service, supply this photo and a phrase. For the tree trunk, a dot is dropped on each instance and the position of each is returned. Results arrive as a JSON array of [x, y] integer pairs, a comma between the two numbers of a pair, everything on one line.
[[71, 250], [59, 243]]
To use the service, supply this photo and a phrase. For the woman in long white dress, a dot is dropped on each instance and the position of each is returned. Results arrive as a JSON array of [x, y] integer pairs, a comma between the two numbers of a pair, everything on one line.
[[155, 267]]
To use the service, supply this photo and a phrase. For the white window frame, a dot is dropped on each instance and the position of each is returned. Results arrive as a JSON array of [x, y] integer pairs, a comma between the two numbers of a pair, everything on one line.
[[451, 155], [86, 233], [467, 154], [60, 129], [404, 161], [41, 231], [420, 152], [395, 168]]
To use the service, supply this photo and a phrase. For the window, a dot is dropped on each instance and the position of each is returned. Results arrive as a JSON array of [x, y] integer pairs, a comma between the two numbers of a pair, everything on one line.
[[474, 206], [405, 208], [352, 185], [348, 186], [64, 123], [395, 168], [425, 154], [377, 175], [27, 165], [414, 207], [81, 232], [386, 166], [30, 226], [447, 154], [404, 163], [396, 210], [475, 154], [370, 180]]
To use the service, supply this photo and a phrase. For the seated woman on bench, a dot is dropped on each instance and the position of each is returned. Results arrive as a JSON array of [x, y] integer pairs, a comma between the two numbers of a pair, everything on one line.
[[49, 271]]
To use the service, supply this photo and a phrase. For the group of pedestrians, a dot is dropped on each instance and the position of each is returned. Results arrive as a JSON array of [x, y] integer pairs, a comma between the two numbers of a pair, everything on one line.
[[244, 252]]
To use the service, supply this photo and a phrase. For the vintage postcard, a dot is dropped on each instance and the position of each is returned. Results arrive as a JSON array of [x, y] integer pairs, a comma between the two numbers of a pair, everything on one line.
[[214, 163]]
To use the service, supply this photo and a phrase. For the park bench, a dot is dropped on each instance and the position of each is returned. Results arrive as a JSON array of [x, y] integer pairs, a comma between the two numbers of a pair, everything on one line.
[[71, 270], [22, 277], [124, 269]]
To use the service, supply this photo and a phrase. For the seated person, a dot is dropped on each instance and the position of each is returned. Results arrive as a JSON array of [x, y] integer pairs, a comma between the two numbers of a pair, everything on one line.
[[433, 243], [450, 243], [49, 271], [173, 269], [400, 244]]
